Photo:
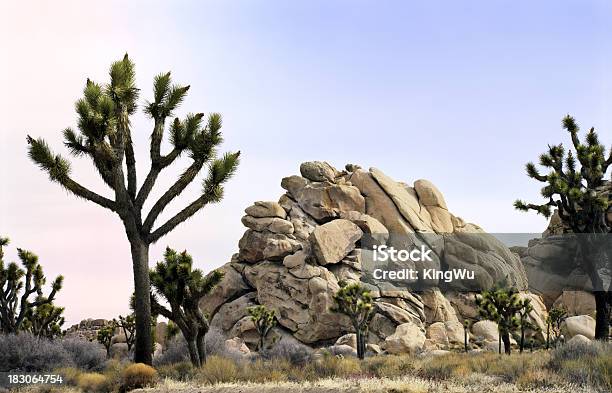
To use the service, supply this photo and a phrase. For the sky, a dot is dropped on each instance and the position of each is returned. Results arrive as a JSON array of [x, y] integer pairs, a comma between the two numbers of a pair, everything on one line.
[[460, 93]]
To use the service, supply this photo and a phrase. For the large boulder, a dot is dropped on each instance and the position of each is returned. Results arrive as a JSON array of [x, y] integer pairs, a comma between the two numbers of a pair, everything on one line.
[[579, 324], [576, 303], [296, 252], [333, 241], [408, 338]]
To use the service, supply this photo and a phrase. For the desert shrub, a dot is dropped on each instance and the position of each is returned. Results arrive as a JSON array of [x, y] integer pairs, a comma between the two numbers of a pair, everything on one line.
[[215, 342], [290, 350], [176, 348], [93, 382], [182, 371], [138, 375], [24, 352], [437, 369], [217, 369], [391, 366], [537, 379], [85, 354], [175, 352], [333, 366], [274, 370], [70, 375], [576, 350]]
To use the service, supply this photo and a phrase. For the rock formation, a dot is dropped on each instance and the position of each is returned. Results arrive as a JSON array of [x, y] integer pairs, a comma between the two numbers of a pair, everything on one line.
[[296, 252]]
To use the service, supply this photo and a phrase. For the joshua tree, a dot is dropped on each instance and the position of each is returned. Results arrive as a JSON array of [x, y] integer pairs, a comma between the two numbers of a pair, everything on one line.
[[105, 136], [105, 335], [555, 318], [21, 294], [128, 327], [466, 328], [183, 287], [573, 187], [45, 320], [524, 321], [356, 302], [501, 304], [264, 320]]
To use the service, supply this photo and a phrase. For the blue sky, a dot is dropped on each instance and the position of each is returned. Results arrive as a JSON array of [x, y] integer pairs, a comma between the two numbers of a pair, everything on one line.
[[460, 93]]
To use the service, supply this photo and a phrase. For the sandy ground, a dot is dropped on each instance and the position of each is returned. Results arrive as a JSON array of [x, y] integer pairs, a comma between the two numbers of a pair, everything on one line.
[[406, 385]]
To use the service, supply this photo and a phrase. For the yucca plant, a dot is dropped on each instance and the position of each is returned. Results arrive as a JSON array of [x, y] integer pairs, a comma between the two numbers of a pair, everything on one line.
[[573, 187], [104, 134], [356, 302], [264, 320], [182, 287], [22, 303]]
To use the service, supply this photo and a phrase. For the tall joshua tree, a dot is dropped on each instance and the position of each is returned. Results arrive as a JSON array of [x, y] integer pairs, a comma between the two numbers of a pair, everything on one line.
[[183, 287], [573, 187], [105, 136], [355, 301], [21, 294]]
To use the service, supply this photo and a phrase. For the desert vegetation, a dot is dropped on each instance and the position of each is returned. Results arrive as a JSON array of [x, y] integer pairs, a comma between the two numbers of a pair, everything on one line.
[[575, 366]]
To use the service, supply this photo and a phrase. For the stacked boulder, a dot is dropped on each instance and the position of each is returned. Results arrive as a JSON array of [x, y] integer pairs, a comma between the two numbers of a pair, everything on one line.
[[297, 251]]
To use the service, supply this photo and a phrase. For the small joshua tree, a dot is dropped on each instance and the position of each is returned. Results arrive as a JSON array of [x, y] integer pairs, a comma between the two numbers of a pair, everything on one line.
[[45, 320], [501, 305], [105, 135], [21, 294], [183, 287], [105, 335], [355, 301], [555, 318], [264, 320], [573, 186], [128, 327]]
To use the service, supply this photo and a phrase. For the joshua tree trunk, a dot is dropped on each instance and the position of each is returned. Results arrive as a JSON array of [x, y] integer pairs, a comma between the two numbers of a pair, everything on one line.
[[465, 337], [142, 301], [522, 339], [360, 344], [506, 338], [603, 304], [201, 343], [193, 351]]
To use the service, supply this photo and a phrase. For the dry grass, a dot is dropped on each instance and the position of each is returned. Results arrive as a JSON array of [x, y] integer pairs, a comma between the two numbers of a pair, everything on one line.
[[569, 369]]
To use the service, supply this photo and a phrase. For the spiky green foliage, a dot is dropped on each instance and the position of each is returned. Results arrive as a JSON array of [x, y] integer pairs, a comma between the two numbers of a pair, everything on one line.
[[182, 287], [555, 318], [22, 303], [105, 335], [45, 320], [264, 320], [573, 187], [104, 134], [127, 325], [501, 304], [356, 302]]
